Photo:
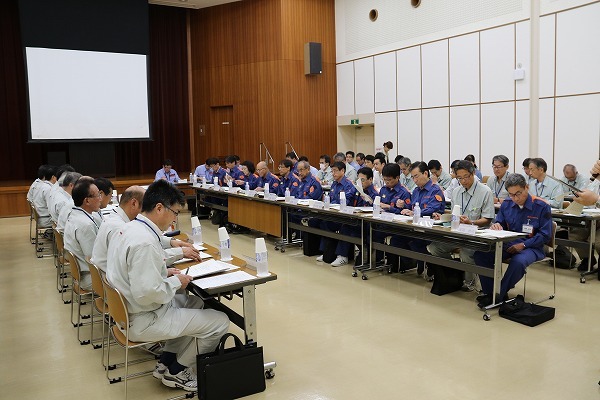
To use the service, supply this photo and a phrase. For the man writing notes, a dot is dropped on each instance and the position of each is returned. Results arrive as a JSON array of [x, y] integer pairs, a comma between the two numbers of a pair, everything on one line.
[[136, 267], [522, 213], [438, 175], [573, 178], [498, 182], [543, 187], [167, 173]]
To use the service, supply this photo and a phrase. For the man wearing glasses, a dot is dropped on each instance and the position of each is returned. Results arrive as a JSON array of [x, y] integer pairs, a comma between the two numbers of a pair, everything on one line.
[[265, 176], [523, 213], [310, 188], [476, 202], [288, 179], [543, 187], [81, 228], [498, 182], [136, 267]]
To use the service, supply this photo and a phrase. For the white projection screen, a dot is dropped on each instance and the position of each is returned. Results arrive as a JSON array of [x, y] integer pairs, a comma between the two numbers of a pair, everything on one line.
[[87, 95]]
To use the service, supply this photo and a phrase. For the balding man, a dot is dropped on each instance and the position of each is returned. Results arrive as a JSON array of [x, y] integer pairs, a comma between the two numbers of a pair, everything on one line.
[[265, 176], [573, 178], [130, 205]]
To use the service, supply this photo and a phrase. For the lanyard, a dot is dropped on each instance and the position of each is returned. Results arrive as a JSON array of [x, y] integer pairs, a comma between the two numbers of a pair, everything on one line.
[[462, 200], [499, 190], [539, 194], [153, 231], [167, 176], [87, 215]]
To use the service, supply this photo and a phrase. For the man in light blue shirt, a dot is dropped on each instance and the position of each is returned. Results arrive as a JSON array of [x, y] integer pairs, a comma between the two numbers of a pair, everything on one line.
[[543, 187], [350, 160], [203, 171], [167, 173], [573, 178]]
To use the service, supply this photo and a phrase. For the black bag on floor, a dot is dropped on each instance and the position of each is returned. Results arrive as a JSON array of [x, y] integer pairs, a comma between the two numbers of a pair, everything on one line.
[[526, 313], [563, 258], [310, 244], [231, 373], [445, 280]]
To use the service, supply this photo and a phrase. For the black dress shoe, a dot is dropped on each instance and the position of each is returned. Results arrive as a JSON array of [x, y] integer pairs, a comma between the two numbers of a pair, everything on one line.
[[583, 266]]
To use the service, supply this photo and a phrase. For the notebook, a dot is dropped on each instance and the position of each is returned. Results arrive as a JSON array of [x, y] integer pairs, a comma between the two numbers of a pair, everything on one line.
[[209, 267]]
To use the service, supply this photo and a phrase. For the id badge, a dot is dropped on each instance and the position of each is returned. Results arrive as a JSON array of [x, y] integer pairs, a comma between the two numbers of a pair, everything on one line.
[[527, 228]]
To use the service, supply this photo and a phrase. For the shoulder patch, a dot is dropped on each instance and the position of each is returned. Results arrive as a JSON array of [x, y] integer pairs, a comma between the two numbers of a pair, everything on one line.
[[312, 189], [438, 197], [407, 201], [295, 184]]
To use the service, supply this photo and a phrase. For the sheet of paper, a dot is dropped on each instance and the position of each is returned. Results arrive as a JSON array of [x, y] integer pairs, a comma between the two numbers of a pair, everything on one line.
[[209, 267], [574, 208], [363, 209], [591, 210], [402, 218], [224, 279], [303, 202], [198, 246], [496, 234]]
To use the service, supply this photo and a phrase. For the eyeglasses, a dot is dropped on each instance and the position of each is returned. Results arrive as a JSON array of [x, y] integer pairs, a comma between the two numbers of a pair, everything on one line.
[[416, 176], [91, 196], [463, 178], [173, 211], [517, 194], [498, 166]]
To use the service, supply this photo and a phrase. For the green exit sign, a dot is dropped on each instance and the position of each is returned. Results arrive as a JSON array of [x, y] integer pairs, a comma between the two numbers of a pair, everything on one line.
[[354, 121]]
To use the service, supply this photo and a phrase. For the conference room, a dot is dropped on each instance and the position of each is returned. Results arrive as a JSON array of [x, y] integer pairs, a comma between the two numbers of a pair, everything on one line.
[[115, 88]]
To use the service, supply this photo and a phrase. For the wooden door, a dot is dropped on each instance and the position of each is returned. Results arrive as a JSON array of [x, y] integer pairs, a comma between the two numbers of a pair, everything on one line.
[[221, 131]]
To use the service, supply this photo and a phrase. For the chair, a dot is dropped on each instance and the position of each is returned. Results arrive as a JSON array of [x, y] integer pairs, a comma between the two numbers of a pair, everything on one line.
[[120, 333], [98, 305], [40, 232], [551, 243], [31, 222], [61, 264], [78, 295], [485, 178]]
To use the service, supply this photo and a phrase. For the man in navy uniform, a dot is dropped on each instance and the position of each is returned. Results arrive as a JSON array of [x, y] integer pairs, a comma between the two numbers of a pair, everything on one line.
[[217, 171], [265, 176], [522, 213], [310, 188], [288, 179]]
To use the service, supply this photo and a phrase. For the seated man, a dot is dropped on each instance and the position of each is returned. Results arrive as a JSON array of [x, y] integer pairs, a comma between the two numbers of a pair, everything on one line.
[[438, 175], [62, 197], [265, 176], [40, 197], [247, 175], [313, 170], [543, 187], [130, 206], [476, 202], [325, 176], [136, 267], [81, 227], [106, 188], [498, 182], [360, 160], [203, 171], [573, 178], [216, 171], [524, 213], [350, 160], [288, 179], [350, 171], [526, 172], [38, 180], [430, 198], [310, 188], [167, 173], [378, 164], [293, 157], [589, 197], [341, 183], [369, 161]]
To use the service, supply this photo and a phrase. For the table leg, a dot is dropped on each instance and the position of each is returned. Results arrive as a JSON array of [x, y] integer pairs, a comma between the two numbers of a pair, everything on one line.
[[250, 313]]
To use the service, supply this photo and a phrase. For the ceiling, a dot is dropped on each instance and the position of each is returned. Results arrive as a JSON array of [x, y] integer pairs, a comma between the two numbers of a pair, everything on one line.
[[190, 3]]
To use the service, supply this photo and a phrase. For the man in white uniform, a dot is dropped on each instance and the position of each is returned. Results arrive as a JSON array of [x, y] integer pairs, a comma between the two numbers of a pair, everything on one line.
[[62, 196], [40, 196], [81, 228], [136, 267], [130, 206]]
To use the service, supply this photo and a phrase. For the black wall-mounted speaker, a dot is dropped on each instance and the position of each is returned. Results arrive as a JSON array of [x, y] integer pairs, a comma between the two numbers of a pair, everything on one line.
[[312, 58]]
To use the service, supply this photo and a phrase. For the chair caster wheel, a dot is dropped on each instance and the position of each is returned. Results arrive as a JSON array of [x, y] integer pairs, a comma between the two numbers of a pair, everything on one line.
[[282, 250], [486, 317], [354, 274], [269, 374], [364, 278], [276, 248], [582, 280]]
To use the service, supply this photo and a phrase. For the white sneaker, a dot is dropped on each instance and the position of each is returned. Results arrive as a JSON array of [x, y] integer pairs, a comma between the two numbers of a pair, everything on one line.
[[339, 261], [185, 380], [159, 370], [320, 258]]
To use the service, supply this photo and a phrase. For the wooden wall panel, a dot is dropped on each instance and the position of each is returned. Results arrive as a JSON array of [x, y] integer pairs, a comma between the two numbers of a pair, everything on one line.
[[249, 55]]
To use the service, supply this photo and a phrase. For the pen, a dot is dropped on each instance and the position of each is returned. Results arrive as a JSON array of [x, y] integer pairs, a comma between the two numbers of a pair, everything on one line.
[[186, 271]]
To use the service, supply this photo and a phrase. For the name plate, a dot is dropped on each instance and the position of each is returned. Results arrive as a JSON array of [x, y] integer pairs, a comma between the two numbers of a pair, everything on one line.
[[469, 229], [316, 204], [386, 216], [426, 222], [347, 210]]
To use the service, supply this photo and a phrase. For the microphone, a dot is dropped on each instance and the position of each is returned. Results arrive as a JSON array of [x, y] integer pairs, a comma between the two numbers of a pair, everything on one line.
[[593, 178]]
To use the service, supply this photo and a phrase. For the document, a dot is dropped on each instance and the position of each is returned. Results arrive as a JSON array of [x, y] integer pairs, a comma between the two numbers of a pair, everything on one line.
[[199, 246], [497, 234], [209, 267], [224, 279]]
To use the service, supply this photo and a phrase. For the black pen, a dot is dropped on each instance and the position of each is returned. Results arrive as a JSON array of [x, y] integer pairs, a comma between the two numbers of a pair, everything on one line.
[[187, 270]]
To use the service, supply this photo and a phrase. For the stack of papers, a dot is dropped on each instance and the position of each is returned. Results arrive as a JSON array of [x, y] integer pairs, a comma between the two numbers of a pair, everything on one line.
[[222, 280], [203, 256], [198, 246], [497, 234]]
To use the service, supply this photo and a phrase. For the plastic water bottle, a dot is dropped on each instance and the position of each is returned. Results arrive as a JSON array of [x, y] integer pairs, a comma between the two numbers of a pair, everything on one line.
[[342, 201], [326, 201], [262, 263], [377, 207], [197, 234], [203, 181], [247, 189], [287, 195], [455, 223], [191, 175], [225, 249], [266, 191], [194, 179], [115, 197], [416, 213], [216, 181]]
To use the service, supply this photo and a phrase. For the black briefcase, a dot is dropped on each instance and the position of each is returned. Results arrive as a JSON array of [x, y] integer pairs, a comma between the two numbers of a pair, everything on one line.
[[526, 313], [231, 373]]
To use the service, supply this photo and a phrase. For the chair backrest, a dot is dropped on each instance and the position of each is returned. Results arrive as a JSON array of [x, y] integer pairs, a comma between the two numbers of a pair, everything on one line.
[[566, 204], [97, 286], [485, 178], [34, 212], [74, 264], [60, 242], [116, 305], [552, 240]]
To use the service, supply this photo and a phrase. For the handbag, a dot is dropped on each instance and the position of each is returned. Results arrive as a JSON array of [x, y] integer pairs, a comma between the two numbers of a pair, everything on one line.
[[231, 373], [526, 313]]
